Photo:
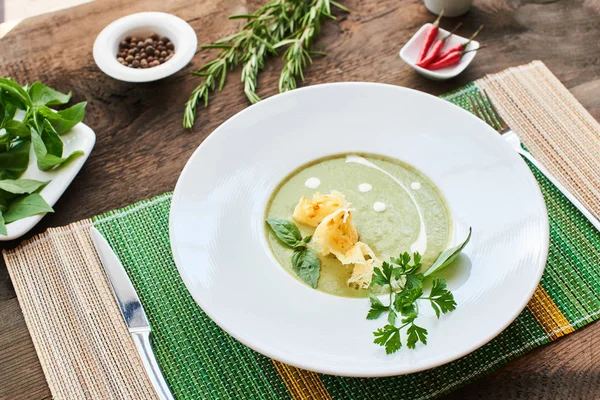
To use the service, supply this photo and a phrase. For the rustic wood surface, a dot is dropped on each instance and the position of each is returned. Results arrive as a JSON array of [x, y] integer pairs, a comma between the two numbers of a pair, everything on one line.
[[141, 146]]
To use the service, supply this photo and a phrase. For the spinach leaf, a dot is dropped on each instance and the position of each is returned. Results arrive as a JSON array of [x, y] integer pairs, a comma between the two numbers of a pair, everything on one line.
[[447, 257], [3, 230], [15, 161], [286, 231], [21, 186], [16, 93], [307, 266], [66, 119], [26, 206], [42, 95], [45, 160]]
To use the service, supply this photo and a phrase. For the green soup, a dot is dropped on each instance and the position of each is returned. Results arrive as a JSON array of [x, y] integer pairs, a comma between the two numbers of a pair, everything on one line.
[[396, 209]]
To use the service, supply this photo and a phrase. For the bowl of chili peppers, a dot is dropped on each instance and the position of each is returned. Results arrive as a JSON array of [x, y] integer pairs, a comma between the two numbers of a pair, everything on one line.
[[439, 54]]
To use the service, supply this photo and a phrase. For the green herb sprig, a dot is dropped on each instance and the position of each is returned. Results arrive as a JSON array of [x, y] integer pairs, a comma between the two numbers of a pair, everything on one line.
[[27, 120], [305, 262], [401, 273], [278, 24]]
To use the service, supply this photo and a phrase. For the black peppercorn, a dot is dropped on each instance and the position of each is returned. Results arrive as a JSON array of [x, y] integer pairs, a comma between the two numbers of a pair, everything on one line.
[[147, 52]]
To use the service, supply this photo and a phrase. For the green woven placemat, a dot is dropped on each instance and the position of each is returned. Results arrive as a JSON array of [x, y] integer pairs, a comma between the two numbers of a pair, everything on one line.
[[200, 361]]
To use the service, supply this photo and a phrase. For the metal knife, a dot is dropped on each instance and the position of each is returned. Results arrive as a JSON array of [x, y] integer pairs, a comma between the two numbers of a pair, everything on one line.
[[132, 311]]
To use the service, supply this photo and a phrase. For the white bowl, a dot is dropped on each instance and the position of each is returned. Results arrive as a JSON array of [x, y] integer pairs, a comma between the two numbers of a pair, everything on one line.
[[218, 233], [180, 33], [410, 52]]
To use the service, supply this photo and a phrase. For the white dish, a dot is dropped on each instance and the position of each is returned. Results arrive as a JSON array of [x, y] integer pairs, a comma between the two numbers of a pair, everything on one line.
[[80, 137], [180, 32], [410, 53], [217, 227]]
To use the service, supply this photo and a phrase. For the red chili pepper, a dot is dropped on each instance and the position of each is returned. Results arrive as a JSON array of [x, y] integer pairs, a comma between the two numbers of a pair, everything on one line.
[[430, 37], [459, 47], [450, 60], [435, 49]]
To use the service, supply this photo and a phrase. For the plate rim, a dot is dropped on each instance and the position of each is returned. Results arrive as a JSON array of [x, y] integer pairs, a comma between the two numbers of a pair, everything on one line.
[[545, 241]]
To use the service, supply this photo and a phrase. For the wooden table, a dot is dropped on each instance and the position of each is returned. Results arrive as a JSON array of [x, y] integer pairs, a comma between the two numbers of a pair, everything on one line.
[[141, 145]]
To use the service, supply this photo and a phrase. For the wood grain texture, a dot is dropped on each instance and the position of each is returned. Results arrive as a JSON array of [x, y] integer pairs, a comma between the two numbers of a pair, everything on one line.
[[141, 146]]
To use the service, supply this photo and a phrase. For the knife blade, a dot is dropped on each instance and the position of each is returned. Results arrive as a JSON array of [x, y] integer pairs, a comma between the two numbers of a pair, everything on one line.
[[132, 311]]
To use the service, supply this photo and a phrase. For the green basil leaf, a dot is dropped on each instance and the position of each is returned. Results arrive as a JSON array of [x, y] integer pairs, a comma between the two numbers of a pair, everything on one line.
[[46, 161], [16, 129], [8, 113], [447, 257], [26, 206], [42, 95], [15, 161], [52, 141], [3, 230], [64, 120], [307, 266], [19, 96], [286, 231], [21, 186]]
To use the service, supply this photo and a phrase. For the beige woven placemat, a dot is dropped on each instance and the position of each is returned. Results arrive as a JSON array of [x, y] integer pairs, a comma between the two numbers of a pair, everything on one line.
[[79, 334], [553, 125]]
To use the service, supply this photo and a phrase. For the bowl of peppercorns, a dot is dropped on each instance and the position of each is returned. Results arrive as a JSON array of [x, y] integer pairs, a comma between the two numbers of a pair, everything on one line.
[[145, 47]]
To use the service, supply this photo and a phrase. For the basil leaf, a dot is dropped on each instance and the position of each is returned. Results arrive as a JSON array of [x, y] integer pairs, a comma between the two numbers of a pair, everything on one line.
[[42, 95], [15, 161], [3, 230], [26, 206], [16, 129], [19, 96], [46, 161], [286, 231], [447, 257], [66, 119], [21, 186], [8, 113], [52, 141], [307, 266]]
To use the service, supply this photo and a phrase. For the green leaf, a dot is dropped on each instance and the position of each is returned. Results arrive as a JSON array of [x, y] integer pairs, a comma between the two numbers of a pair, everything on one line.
[[404, 301], [286, 231], [3, 230], [392, 317], [66, 119], [26, 206], [307, 266], [42, 95], [16, 129], [388, 336], [414, 281], [15, 161], [415, 334], [15, 92], [382, 276], [46, 161], [377, 307], [447, 257], [8, 113], [307, 239], [21, 186], [52, 141], [442, 300]]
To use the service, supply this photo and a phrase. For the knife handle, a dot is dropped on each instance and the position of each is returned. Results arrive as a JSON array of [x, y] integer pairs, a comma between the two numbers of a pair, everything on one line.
[[142, 342]]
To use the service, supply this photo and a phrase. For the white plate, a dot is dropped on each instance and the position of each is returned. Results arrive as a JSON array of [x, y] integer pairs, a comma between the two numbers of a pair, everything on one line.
[[218, 233], [80, 137]]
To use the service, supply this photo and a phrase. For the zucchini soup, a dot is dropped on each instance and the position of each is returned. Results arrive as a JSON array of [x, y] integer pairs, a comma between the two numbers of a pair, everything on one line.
[[351, 211]]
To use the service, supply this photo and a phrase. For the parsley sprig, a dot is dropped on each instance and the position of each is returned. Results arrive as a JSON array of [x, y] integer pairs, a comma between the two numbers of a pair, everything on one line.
[[405, 284]]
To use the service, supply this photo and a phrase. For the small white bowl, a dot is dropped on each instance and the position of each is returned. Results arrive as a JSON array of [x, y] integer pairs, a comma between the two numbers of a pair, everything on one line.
[[410, 52], [180, 33]]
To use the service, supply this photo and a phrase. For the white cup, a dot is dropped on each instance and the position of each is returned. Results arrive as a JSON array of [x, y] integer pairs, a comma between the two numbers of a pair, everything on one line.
[[452, 8]]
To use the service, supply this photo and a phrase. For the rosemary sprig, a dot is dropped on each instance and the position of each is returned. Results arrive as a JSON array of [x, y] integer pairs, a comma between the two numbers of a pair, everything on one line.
[[298, 54], [260, 37]]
